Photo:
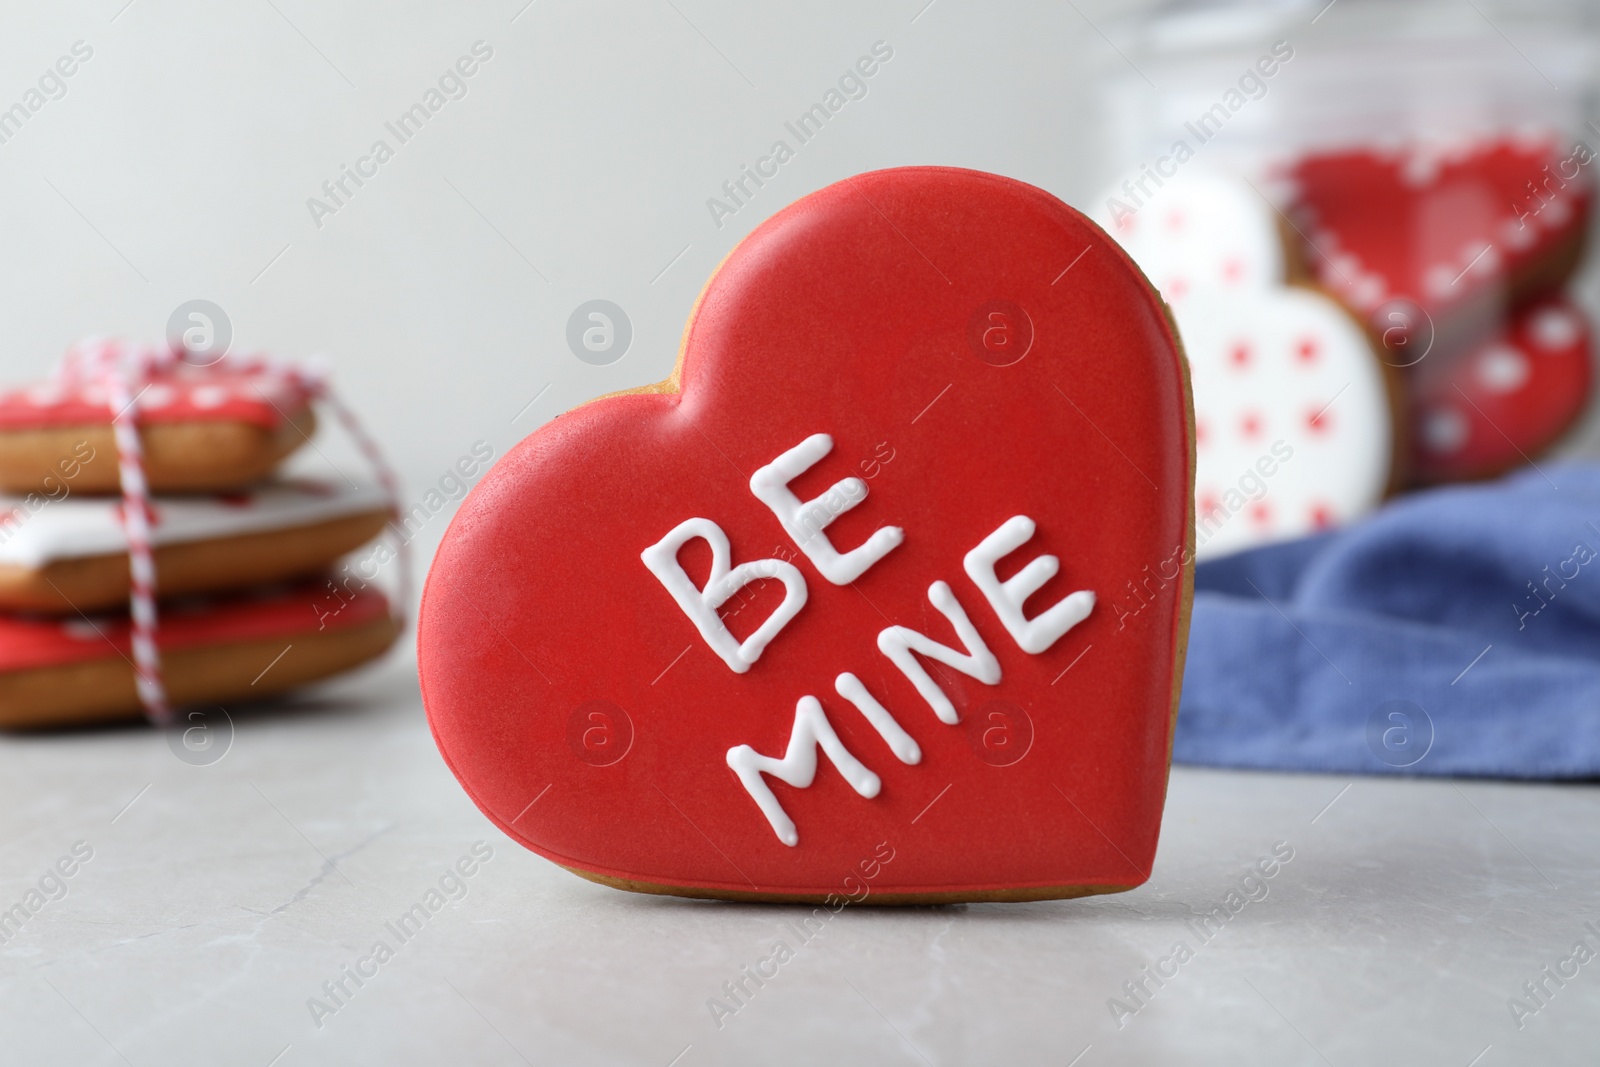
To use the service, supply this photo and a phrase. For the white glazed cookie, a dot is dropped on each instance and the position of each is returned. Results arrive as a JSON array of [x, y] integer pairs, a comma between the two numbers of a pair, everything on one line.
[[70, 553], [1198, 233], [79, 526], [1294, 429]]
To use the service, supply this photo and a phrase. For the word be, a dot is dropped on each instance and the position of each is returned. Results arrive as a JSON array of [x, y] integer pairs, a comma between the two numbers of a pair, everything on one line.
[[52, 86], [822, 511], [744, 596], [52, 886], [1565, 969], [1582, 553], [1251, 888], [55, 490], [452, 86], [766, 968], [852, 86], [806, 522], [452, 888], [1205, 127]]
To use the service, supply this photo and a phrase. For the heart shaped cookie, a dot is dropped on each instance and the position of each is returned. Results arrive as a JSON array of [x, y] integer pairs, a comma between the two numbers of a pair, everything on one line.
[[70, 554], [1204, 233], [1460, 229], [79, 669], [828, 613], [204, 429], [1293, 428], [1294, 414], [1497, 405]]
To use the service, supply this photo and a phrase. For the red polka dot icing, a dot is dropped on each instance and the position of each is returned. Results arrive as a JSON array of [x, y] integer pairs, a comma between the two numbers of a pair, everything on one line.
[[1504, 401], [1199, 233], [1313, 439], [1293, 426]]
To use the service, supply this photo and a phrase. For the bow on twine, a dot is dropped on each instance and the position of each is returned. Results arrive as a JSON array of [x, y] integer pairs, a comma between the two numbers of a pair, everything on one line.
[[124, 370]]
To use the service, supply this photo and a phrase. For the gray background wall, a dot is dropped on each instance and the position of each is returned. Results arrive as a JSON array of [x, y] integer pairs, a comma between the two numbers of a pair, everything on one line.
[[179, 161]]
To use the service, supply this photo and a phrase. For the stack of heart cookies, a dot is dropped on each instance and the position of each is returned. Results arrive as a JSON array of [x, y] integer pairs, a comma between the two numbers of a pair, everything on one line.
[[1455, 255], [151, 559]]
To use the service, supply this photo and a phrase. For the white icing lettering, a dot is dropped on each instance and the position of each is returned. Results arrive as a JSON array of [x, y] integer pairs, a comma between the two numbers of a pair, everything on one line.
[[900, 644], [900, 743], [798, 766], [804, 521], [1007, 597], [724, 581]]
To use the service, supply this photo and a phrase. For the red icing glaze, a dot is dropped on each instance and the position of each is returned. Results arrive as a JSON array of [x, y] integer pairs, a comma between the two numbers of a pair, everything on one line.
[[589, 720], [1442, 232], [179, 394], [1496, 405], [28, 643]]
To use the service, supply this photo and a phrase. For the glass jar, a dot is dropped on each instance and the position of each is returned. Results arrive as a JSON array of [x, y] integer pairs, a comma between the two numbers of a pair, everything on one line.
[[1428, 166]]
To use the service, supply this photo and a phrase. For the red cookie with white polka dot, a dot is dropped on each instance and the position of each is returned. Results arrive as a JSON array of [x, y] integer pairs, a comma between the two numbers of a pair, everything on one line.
[[1504, 401], [203, 430], [1462, 229], [1295, 417]]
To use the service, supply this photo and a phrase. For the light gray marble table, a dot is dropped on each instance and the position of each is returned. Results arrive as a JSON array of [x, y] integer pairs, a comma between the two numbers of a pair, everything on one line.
[[219, 899]]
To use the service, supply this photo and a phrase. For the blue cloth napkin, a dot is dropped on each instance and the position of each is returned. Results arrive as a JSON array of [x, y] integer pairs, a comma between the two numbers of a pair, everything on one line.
[[1456, 631]]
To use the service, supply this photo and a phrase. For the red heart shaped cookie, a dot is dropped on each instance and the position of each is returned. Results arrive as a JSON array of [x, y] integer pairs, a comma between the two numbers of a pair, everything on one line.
[[834, 611], [78, 669], [1505, 400], [1458, 230], [212, 428]]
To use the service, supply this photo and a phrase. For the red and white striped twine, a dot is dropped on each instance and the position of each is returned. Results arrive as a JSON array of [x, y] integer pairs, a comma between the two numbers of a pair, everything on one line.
[[386, 478], [125, 370], [141, 558]]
